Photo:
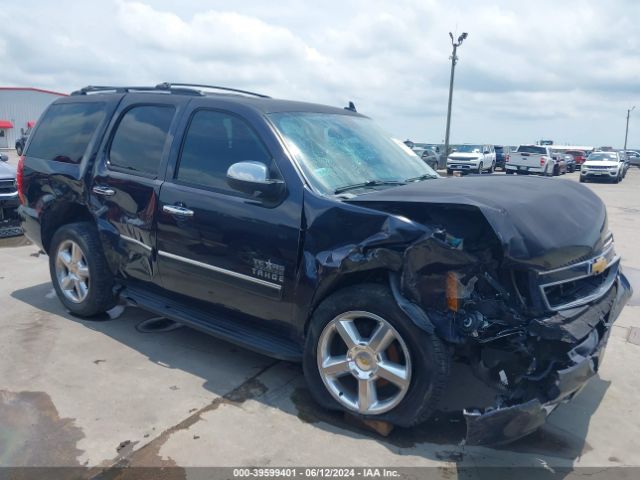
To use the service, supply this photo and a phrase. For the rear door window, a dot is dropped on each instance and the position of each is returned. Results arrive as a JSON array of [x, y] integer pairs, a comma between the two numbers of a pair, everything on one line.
[[66, 130], [140, 139]]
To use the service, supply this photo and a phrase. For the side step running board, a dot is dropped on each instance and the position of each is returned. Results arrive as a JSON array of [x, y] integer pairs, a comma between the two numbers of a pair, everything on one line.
[[229, 329]]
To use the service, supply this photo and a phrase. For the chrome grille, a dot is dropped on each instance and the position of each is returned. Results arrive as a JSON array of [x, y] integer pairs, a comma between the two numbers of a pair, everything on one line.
[[580, 283], [7, 186]]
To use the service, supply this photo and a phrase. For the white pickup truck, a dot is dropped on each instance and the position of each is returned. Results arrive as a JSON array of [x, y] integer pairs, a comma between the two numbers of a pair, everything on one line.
[[531, 159]]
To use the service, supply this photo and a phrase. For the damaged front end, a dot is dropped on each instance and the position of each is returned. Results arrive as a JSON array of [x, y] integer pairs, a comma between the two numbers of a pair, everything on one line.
[[534, 337], [531, 318]]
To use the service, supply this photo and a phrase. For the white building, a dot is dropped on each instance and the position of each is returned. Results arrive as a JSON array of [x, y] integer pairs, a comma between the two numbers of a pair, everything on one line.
[[20, 107]]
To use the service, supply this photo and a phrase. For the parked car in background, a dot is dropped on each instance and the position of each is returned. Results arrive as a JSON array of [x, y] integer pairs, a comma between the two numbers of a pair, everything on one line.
[[22, 140], [221, 212], [560, 165], [570, 161], [472, 159], [579, 156], [430, 153], [430, 157], [502, 155], [527, 159], [8, 194], [4, 157], [607, 166], [634, 157], [624, 158]]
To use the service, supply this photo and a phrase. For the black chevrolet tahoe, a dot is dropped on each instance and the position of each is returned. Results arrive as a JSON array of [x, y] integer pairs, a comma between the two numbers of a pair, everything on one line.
[[306, 233]]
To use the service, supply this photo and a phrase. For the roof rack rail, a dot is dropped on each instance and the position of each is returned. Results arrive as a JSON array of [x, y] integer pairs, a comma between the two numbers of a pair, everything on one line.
[[170, 85], [120, 89]]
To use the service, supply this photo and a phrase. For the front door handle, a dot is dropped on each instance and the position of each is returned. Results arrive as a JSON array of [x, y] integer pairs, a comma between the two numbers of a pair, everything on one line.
[[177, 210], [104, 191]]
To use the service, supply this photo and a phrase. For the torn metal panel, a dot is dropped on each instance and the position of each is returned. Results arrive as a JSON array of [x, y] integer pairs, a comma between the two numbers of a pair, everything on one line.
[[511, 418], [504, 425]]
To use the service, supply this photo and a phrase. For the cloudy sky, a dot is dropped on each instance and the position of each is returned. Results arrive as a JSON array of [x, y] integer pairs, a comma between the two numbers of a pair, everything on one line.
[[529, 70]]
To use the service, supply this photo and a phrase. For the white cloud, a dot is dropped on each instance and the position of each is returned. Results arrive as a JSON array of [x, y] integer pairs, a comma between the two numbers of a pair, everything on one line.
[[566, 70]]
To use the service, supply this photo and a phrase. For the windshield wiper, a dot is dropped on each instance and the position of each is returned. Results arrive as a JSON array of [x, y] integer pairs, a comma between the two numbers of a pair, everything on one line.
[[421, 177], [369, 183]]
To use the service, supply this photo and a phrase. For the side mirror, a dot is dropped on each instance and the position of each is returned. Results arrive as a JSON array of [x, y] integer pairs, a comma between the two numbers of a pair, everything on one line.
[[252, 177]]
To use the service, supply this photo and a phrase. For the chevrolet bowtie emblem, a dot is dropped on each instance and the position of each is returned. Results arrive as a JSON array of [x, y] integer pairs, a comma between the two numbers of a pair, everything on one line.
[[599, 265]]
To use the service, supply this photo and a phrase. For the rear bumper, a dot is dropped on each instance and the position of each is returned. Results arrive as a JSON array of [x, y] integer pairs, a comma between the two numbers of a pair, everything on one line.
[[522, 168], [30, 223], [506, 424]]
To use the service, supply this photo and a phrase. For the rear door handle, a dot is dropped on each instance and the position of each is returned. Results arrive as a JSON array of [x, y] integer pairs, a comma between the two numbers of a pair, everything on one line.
[[177, 210], [104, 191]]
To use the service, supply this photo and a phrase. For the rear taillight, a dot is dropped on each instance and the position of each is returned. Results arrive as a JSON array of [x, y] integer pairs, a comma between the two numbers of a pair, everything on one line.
[[542, 161], [20, 180], [506, 158]]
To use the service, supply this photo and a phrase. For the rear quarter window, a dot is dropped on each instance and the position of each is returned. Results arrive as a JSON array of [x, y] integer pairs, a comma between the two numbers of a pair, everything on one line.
[[531, 149], [65, 131]]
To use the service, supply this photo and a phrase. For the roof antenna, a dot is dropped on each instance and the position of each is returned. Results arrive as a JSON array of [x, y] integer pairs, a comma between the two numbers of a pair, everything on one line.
[[351, 107]]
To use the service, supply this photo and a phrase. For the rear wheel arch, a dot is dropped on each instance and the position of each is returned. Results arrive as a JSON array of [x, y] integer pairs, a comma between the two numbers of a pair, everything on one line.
[[59, 215]]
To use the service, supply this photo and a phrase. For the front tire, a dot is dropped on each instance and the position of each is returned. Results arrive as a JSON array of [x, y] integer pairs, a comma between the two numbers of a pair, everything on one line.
[[364, 356], [480, 168], [79, 270]]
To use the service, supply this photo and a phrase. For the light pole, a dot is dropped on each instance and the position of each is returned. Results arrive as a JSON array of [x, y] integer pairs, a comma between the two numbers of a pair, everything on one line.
[[626, 132], [454, 60]]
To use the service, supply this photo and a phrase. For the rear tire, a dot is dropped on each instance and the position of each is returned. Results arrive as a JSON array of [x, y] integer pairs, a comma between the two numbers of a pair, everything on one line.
[[79, 270], [548, 172], [428, 359]]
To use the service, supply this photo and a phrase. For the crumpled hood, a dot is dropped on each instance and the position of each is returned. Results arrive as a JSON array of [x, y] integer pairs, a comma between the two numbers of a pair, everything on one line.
[[7, 171], [542, 222]]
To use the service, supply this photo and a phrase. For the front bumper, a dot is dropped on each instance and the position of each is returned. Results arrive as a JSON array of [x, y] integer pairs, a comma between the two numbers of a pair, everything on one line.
[[601, 174], [462, 166], [505, 424]]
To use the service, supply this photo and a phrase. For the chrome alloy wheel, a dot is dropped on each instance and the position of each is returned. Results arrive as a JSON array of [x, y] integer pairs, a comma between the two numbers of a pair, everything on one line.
[[72, 271], [364, 363]]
